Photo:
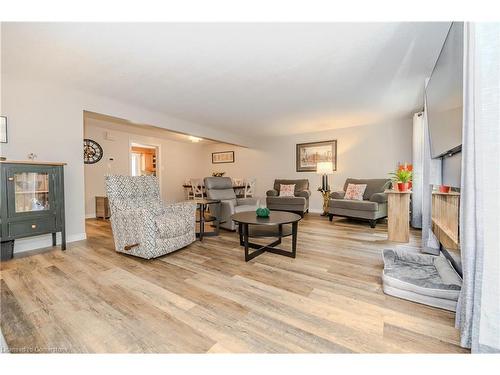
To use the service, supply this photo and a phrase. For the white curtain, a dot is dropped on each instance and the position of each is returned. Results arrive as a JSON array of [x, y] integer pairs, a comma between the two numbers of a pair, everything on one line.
[[431, 175], [478, 310], [418, 169]]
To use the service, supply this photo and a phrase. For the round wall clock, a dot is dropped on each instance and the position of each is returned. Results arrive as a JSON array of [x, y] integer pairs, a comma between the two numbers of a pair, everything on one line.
[[92, 151]]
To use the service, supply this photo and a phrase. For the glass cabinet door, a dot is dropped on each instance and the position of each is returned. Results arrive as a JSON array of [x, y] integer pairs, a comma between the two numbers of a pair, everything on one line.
[[31, 191]]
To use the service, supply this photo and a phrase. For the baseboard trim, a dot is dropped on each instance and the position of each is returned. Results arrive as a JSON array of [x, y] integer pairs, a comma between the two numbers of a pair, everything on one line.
[[89, 216], [316, 210], [39, 242]]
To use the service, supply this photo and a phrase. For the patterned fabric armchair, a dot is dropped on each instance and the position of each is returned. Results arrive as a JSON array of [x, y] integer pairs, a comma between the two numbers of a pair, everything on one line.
[[142, 224]]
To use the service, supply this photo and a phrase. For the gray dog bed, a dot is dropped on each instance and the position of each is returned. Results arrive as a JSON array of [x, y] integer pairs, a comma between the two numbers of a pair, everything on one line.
[[426, 279]]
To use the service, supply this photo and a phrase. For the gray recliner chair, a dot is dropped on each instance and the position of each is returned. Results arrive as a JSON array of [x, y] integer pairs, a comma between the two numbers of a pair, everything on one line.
[[372, 207], [222, 188], [299, 203]]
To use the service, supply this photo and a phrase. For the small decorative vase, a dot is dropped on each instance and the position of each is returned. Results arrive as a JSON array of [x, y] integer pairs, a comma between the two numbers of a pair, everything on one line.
[[444, 189], [262, 212], [402, 186]]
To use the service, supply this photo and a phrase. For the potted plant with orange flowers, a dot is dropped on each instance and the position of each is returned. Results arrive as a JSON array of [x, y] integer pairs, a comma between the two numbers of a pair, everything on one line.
[[407, 167], [402, 178]]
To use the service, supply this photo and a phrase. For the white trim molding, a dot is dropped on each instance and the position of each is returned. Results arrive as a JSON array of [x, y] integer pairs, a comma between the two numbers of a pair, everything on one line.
[[39, 242]]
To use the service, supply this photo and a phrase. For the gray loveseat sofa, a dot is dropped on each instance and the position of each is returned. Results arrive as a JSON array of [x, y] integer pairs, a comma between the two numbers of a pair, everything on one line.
[[372, 207], [298, 204], [222, 188]]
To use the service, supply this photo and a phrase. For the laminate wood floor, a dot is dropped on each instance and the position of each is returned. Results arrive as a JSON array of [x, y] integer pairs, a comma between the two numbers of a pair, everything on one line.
[[205, 298]]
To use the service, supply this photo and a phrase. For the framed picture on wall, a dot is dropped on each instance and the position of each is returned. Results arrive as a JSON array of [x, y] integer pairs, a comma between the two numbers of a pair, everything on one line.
[[309, 154], [222, 157], [3, 129]]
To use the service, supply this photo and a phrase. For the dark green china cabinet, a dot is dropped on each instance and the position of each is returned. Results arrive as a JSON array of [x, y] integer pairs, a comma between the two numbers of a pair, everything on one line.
[[32, 202]]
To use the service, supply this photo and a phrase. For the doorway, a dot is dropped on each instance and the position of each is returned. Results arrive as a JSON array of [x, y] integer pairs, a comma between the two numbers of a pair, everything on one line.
[[143, 160]]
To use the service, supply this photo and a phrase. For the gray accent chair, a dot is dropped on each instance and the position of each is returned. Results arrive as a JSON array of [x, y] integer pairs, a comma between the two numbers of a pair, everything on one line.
[[222, 188], [297, 204], [142, 224], [372, 207]]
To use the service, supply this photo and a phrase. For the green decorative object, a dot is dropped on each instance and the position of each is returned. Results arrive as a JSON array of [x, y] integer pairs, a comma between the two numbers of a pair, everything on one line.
[[263, 212]]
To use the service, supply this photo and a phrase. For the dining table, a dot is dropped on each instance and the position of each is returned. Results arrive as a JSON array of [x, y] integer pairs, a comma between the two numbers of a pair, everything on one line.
[[238, 189], [235, 187]]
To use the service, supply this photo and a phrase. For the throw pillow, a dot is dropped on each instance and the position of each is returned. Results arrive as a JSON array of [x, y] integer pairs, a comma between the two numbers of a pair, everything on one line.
[[355, 192], [287, 190]]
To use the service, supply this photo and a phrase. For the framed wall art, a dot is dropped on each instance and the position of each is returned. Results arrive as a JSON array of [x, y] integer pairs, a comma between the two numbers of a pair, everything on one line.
[[222, 157], [309, 154], [3, 129]]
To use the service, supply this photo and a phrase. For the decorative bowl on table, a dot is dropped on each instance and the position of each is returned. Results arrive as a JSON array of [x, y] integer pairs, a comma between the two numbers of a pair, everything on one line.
[[262, 212]]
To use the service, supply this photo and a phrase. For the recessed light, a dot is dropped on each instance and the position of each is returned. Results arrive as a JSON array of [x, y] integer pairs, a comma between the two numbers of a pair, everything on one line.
[[195, 139]]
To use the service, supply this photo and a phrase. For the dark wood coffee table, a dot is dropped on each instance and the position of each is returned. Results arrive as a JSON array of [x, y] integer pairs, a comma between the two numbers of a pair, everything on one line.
[[252, 226]]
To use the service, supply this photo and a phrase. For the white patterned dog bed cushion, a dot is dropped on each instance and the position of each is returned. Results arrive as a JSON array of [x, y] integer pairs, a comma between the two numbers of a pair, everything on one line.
[[426, 279]]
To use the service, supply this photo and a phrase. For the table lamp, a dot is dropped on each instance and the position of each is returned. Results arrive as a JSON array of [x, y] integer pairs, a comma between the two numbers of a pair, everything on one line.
[[324, 168]]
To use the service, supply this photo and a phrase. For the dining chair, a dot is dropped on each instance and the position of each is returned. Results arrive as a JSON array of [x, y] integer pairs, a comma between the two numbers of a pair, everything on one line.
[[250, 187], [196, 188], [238, 182], [188, 192]]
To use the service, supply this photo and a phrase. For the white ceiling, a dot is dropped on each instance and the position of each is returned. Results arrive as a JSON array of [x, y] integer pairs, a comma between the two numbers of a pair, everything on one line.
[[115, 124], [249, 79]]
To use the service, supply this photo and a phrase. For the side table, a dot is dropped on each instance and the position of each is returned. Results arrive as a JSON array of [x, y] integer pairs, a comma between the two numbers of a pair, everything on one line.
[[202, 205], [326, 201], [102, 207], [398, 216]]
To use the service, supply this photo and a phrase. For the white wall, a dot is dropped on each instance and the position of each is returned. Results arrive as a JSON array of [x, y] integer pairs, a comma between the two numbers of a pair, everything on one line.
[[370, 151], [176, 160], [48, 120]]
